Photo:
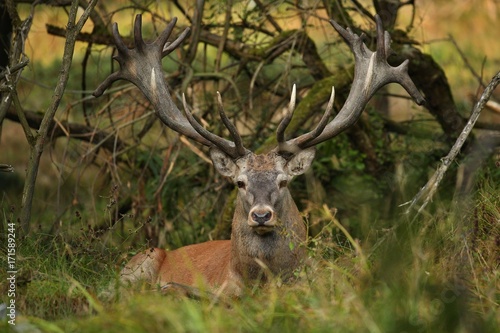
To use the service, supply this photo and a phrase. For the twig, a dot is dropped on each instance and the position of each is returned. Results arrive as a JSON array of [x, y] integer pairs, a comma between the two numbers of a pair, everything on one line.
[[220, 49], [22, 118], [9, 71], [430, 188], [16, 54], [268, 17], [466, 61], [76, 131], [195, 33], [195, 149], [363, 10]]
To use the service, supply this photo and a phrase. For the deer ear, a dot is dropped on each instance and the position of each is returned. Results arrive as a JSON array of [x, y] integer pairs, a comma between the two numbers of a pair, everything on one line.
[[223, 163], [300, 162]]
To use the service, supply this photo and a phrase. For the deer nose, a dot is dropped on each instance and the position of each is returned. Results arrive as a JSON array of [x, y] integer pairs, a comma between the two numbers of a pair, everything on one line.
[[262, 217]]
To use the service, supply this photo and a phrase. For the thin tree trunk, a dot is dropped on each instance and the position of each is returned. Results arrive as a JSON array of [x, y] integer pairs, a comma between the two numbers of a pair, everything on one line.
[[36, 147]]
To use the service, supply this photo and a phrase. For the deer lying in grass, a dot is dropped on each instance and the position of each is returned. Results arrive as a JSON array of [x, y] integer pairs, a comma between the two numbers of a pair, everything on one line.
[[268, 232]]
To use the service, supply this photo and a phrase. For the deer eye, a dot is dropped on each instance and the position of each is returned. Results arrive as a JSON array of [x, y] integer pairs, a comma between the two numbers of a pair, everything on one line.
[[240, 184], [283, 183]]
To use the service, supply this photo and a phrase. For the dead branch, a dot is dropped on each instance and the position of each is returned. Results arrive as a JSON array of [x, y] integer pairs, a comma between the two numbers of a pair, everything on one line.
[[431, 80], [80, 132], [430, 188]]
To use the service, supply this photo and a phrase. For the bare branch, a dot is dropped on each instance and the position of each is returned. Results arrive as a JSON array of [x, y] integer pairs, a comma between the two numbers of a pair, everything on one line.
[[466, 61], [268, 17], [430, 188], [89, 134]]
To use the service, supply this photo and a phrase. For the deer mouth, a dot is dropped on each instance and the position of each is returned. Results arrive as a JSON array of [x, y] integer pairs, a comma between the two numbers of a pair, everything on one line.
[[263, 229]]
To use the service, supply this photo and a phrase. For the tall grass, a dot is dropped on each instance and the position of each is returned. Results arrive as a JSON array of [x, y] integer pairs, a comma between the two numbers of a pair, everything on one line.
[[434, 273]]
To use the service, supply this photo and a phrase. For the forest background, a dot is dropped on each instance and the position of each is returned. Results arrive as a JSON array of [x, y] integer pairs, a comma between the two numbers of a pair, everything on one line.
[[112, 180]]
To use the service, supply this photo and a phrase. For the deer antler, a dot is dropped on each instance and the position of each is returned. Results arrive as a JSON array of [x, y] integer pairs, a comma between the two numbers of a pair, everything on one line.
[[142, 67], [238, 150], [285, 147], [371, 73]]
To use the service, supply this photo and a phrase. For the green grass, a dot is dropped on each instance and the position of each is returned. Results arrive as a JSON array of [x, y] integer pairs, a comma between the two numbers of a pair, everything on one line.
[[436, 273]]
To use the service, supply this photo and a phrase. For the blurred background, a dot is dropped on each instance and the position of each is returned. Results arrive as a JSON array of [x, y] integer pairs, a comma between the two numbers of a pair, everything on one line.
[[111, 160]]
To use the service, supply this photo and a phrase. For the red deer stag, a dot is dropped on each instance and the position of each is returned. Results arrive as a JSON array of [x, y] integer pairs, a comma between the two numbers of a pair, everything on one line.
[[267, 229]]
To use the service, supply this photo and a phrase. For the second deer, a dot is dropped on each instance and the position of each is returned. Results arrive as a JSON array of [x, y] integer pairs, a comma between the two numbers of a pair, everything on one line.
[[268, 232]]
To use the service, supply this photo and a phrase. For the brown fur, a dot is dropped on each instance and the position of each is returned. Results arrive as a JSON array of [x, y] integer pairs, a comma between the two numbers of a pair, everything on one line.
[[225, 266]]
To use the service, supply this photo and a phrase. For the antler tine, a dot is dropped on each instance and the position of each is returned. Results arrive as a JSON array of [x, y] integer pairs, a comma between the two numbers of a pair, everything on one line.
[[196, 125], [106, 83], [383, 41], [162, 39], [120, 45], [169, 47], [240, 149], [346, 34], [138, 40], [371, 73], [305, 138], [122, 48], [165, 34], [280, 132], [234, 152]]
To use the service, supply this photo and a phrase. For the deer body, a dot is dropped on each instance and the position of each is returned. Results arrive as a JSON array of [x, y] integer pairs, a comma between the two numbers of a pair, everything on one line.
[[204, 263], [267, 231], [267, 228]]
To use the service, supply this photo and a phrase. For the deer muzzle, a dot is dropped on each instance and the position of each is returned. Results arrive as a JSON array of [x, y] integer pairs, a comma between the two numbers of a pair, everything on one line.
[[262, 218]]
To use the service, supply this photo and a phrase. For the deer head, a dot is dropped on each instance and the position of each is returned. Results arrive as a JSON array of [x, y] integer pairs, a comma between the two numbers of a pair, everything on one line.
[[266, 219]]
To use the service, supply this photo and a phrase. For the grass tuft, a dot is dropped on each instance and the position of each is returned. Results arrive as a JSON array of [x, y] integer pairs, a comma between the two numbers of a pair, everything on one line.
[[437, 273]]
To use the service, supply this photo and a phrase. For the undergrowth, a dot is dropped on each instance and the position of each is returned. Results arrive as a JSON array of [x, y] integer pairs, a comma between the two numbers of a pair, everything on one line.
[[434, 273]]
